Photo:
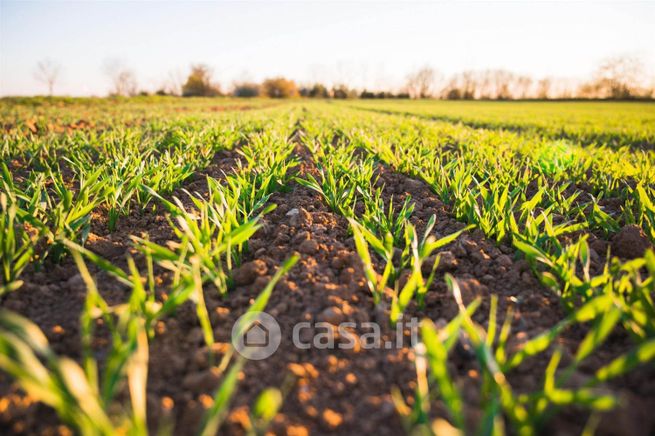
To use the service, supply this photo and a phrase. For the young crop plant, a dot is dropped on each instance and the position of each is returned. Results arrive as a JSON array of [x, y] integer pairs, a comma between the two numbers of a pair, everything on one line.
[[216, 230], [80, 396], [344, 177], [67, 213], [54, 210], [123, 178], [214, 233], [567, 272], [16, 245], [415, 253], [339, 194], [432, 353], [642, 198], [526, 413], [391, 221], [270, 154], [59, 382], [215, 415], [84, 397]]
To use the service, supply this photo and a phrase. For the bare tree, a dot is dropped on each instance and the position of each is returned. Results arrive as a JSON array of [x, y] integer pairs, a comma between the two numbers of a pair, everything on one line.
[[468, 85], [522, 87], [174, 82], [420, 84], [619, 77], [47, 72], [122, 78], [502, 81], [544, 88]]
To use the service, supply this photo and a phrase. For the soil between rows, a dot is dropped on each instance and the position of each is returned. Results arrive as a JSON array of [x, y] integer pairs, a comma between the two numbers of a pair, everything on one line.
[[331, 391]]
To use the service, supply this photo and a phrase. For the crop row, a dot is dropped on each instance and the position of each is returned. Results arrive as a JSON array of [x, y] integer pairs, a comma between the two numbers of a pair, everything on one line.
[[497, 183], [590, 123], [212, 235], [57, 182]]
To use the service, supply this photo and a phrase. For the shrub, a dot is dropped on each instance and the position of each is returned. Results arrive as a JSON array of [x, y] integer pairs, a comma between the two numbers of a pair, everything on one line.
[[342, 91], [199, 84], [246, 89], [279, 87], [318, 91]]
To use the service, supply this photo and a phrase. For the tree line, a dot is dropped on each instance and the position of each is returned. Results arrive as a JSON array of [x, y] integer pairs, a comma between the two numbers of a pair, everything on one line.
[[617, 78]]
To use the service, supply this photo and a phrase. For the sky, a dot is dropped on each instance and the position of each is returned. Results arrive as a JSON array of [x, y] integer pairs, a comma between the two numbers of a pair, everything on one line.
[[366, 44]]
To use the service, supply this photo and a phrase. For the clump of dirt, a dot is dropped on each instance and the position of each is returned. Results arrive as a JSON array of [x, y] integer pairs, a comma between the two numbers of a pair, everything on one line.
[[630, 242]]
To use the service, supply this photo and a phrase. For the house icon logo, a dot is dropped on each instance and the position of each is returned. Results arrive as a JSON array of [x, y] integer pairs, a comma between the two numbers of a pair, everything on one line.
[[256, 335]]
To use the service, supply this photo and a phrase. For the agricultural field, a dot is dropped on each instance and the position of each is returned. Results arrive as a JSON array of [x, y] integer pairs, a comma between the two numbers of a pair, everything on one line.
[[138, 235], [601, 123]]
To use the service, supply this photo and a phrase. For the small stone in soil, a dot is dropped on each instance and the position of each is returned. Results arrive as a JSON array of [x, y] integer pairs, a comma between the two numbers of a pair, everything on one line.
[[331, 418], [248, 272], [308, 247], [332, 315]]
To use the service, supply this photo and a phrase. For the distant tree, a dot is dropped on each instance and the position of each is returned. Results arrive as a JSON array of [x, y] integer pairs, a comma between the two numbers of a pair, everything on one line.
[[420, 84], [502, 83], [174, 82], [523, 86], [279, 87], [619, 77], [122, 78], [343, 92], [544, 88], [462, 86], [468, 85], [246, 89], [199, 83], [453, 93], [47, 72], [318, 91]]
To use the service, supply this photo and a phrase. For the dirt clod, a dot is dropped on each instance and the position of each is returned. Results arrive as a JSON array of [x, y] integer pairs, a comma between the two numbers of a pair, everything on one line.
[[308, 246], [332, 315], [300, 218], [631, 242], [202, 381], [249, 271]]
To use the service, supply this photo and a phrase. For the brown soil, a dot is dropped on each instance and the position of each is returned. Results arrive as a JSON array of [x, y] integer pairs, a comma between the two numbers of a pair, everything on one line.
[[330, 391], [631, 242]]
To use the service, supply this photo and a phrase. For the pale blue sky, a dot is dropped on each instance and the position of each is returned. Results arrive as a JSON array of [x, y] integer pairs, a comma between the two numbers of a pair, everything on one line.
[[365, 43]]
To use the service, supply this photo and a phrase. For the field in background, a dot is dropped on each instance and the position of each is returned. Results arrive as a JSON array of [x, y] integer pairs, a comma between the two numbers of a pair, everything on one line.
[[135, 232], [610, 123]]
